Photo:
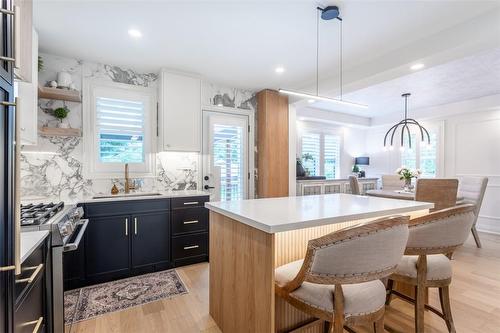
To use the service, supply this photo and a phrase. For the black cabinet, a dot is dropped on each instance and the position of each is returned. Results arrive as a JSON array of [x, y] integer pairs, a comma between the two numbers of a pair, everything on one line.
[[31, 292], [107, 248], [131, 237], [150, 242]]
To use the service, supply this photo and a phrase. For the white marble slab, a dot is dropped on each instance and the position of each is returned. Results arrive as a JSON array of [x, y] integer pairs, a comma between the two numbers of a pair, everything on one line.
[[118, 197], [274, 215], [30, 241]]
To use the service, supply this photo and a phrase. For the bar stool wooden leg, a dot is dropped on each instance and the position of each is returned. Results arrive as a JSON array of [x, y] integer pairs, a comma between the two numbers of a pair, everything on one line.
[[390, 285], [378, 326], [420, 293], [338, 313], [444, 298]]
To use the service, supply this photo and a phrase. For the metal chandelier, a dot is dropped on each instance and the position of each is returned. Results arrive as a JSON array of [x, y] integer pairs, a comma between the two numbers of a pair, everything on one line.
[[405, 127]]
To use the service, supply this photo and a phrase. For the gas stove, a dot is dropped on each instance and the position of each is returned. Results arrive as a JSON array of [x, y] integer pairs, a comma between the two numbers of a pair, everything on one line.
[[35, 214]]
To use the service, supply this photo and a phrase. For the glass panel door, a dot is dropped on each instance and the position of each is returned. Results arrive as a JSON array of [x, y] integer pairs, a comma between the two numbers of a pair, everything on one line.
[[225, 151]]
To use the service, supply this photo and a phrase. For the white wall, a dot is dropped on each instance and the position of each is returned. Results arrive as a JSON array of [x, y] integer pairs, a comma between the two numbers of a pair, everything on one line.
[[469, 147]]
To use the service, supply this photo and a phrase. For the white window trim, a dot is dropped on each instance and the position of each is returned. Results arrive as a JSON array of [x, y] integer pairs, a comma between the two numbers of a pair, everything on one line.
[[92, 168], [322, 130], [438, 128]]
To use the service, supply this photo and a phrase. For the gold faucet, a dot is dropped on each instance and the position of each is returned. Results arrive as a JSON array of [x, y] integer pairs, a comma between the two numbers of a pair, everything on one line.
[[128, 187]]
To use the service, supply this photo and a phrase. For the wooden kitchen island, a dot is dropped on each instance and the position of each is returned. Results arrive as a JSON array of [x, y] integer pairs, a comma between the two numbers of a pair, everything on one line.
[[250, 238]]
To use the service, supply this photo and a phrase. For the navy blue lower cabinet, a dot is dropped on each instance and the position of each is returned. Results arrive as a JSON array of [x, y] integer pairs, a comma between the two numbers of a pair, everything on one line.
[[150, 242], [107, 248], [132, 237]]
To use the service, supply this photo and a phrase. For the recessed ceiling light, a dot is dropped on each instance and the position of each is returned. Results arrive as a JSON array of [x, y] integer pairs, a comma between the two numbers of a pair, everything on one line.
[[416, 67], [134, 33], [279, 69], [310, 101]]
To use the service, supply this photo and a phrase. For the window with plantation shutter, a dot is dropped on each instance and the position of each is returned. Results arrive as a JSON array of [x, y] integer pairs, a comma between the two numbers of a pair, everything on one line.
[[331, 156], [320, 153], [421, 155], [118, 129], [311, 150], [228, 150]]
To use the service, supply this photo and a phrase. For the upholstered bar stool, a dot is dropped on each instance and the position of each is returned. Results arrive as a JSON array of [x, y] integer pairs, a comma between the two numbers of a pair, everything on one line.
[[354, 185], [425, 264], [472, 190], [338, 281]]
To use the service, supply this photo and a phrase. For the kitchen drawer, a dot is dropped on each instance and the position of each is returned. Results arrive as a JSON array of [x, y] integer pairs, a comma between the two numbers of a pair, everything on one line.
[[187, 202], [31, 270], [30, 314], [189, 220], [123, 207], [189, 246]]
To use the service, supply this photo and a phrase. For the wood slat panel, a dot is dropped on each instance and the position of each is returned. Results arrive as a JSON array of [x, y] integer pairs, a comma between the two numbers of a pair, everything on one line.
[[241, 290]]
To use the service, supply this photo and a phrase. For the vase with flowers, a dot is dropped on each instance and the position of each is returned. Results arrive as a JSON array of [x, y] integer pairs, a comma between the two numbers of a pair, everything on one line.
[[407, 175]]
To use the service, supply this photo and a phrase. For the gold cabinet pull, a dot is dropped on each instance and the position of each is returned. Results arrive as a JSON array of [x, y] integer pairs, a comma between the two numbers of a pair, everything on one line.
[[135, 225], [191, 247], [33, 275], [126, 227], [5, 103], [191, 222], [7, 268], [38, 325]]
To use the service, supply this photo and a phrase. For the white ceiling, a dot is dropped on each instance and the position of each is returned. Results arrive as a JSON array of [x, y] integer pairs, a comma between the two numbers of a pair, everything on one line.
[[239, 43], [468, 78]]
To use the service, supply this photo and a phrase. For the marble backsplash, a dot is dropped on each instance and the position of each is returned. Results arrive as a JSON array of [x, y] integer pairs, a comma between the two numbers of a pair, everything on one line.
[[54, 167]]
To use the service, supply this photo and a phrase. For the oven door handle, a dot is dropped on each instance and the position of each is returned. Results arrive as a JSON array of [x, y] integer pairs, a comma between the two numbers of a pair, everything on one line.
[[73, 246]]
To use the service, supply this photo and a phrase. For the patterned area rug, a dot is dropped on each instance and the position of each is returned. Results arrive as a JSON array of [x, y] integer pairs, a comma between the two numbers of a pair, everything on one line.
[[92, 301]]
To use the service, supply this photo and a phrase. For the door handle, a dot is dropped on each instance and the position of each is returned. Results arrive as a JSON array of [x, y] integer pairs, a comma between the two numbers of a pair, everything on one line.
[[126, 226], [135, 225], [207, 187]]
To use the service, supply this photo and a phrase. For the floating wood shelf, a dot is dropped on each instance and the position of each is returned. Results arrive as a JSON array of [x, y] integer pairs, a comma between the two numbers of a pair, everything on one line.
[[59, 94], [55, 131]]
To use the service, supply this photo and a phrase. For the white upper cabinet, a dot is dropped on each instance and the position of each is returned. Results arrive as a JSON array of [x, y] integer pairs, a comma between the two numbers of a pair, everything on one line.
[[179, 113], [27, 93], [23, 29]]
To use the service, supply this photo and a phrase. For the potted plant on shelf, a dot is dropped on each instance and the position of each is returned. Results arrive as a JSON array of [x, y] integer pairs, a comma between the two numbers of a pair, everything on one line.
[[407, 174], [61, 114], [307, 157]]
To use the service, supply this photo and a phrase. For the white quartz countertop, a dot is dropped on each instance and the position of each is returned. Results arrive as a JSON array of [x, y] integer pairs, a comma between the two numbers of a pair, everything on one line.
[[118, 197], [274, 215], [30, 240]]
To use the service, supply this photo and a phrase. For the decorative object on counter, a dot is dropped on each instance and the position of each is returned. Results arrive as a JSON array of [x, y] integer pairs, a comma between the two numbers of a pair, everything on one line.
[[96, 300], [64, 79], [355, 169], [305, 158], [407, 175], [53, 84], [114, 190], [299, 171], [361, 161], [404, 123], [61, 114]]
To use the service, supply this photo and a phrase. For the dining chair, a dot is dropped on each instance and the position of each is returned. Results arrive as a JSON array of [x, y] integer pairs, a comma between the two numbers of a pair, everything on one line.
[[354, 185], [471, 190], [425, 264], [442, 192], [392, 182], [338, 281]]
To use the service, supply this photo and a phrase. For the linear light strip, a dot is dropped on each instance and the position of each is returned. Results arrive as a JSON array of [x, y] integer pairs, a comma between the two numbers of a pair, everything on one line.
[[322, 98]]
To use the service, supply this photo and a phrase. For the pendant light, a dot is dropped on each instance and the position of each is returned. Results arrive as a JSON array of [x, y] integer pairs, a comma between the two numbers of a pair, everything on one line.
[[405, 127], [327, 13]]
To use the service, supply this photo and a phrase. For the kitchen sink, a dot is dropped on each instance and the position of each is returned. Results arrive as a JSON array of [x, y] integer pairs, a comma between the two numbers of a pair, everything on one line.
[[126, 195]]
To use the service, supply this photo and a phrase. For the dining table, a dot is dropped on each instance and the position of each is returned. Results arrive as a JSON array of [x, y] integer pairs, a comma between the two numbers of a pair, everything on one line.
[[397, 194]]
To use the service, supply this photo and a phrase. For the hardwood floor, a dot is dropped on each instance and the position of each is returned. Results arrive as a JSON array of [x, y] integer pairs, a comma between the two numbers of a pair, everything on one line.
[[475, 301]]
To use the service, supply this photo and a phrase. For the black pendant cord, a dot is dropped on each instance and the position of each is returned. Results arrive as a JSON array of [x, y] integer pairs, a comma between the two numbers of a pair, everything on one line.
[[317, 52], [341, 60]]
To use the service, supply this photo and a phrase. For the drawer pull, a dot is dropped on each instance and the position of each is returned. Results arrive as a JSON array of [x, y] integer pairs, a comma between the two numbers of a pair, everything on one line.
[[191, 222], [33, 276], [191, 203], [135, 225], [38, 325], [191, 247], [126, 227]]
